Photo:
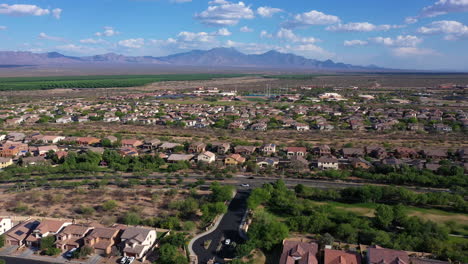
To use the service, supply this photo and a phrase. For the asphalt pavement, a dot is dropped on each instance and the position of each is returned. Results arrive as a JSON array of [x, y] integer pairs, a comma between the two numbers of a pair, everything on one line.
[[228, 228], [11, 260]]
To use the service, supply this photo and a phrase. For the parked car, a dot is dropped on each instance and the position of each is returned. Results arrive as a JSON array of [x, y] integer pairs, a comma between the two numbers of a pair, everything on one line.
[[123, 260], [245, 185], [69, 254], [130, 260], [227, 242]]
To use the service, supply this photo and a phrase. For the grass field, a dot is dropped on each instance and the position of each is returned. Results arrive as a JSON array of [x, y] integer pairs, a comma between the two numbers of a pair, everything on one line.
[[457, 221], [99, 81], [294, 76]]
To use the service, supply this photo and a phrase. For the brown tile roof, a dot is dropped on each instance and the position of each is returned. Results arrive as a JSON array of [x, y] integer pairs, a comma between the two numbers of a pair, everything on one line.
[[341, 257], [305, 253], [378, 255], [21, 231]]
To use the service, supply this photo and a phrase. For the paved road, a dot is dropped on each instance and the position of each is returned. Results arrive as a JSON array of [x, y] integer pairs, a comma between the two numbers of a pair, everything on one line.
[[228, 229], [11, 260]]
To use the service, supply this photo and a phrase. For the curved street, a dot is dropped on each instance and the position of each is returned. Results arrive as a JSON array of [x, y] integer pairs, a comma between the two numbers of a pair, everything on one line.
[[228, 228]]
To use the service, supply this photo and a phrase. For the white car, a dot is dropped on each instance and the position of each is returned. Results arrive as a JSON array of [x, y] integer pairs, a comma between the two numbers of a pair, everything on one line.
[[130, 260], [123, 260], [227, 242], [245, 185]]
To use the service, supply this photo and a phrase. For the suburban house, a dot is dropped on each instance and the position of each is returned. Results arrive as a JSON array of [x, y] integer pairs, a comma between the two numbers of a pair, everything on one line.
[[102, 239], [352, 152], [434, 154], [131, 143], [322, 150], [137, 241], [207, 156], [268, 149], [198, 147], [245, 150], [44, 229], [267, 162], [359, 163], [86, 141], [222, 148], [173, 158], [296, 252], [332, 256], [5, 162], [234, 159], [18, 234], [296, 151], [72, 237], [378, 255], [325, 163], [5, 225]]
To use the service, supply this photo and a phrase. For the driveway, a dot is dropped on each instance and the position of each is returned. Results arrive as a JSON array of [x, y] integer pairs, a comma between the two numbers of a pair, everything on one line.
[[228, 228]]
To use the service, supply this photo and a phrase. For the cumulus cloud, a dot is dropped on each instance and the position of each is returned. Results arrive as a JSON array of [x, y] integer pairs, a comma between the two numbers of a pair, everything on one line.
[[78, 49], [225, 13], [355, 42], [400, 41], [313, 17], [413, 52], [28, 10], [266, 11], [265, 34], [442, 7], [186, 36], [246, 29], [222, 32], [361, 27], [288, 34], [92, 41], [135, 43], [451, 29], [108, 32], [43, 35]]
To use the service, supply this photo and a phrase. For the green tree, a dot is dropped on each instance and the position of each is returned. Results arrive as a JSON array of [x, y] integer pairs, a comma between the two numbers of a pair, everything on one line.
[[109, 205], [2, 241], [131, 218], [266, 232], [384, 216]]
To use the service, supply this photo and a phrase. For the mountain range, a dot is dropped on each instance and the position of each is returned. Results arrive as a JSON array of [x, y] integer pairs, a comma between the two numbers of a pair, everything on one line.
[[217, 57]]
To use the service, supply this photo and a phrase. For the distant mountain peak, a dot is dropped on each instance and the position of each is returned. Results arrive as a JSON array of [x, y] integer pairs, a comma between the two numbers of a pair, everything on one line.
[[218, 57]]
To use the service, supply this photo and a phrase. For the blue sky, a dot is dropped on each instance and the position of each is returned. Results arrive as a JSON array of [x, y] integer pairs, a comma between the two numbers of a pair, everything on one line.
[[415, 34]]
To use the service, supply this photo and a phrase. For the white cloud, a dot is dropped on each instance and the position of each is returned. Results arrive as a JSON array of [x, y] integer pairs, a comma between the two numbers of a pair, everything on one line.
[[3, 28], [451, 29], [132, 43], [265, 34], [266, 11], [413, 52], [411, 20], [108, 32], [224, 13], [311, 18], [400, 41], [77, 49], [57, 12], [43, 35], [195, 37], [28, 10], [246, 29], [92, 41], [361, 27], [289, 35], [355, 42], [442, 7], [222, 32]]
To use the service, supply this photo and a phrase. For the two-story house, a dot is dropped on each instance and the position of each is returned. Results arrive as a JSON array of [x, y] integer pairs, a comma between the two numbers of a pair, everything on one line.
[[5, 225], [72, 237], [44, 229], [102, 240], [137, 241]]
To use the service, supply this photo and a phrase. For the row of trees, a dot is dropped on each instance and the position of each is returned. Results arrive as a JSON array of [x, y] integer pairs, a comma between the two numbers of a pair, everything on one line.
[[390, 227], [387, 195]]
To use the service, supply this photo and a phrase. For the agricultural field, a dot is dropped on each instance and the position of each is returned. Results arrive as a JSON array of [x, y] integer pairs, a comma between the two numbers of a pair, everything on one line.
[[99, 81]]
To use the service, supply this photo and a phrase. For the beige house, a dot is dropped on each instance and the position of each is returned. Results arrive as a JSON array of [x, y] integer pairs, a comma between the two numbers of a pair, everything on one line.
[[5, 162], [137, 241], [207, 156], [102, 240], [72, 237]]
